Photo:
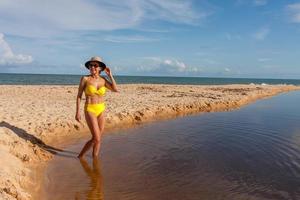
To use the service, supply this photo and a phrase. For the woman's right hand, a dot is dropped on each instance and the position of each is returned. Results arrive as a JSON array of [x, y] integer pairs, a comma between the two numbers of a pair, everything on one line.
[[108, 71], [78, 117]]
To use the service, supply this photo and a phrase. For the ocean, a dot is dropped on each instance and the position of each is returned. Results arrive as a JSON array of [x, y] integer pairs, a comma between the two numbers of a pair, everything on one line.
[[51, 79]]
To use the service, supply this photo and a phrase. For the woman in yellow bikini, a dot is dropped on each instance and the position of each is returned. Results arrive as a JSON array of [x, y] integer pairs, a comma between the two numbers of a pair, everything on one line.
[[94, 87]]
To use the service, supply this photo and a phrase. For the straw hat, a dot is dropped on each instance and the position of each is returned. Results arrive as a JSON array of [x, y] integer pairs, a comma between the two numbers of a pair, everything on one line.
[[95, 59]]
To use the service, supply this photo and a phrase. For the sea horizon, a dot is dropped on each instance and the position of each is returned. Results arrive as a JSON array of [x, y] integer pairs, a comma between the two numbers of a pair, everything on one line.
[[73, 79], [273, 78]]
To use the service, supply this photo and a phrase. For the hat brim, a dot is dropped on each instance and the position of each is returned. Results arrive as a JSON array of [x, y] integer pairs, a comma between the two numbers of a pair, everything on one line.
[[101, 64]]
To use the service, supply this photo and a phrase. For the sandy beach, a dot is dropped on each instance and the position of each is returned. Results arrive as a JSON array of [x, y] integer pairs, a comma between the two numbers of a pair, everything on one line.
[[33, 119]]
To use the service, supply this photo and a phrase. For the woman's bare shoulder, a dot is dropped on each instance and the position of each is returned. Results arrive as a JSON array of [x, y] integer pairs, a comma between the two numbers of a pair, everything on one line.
[[85, 77]]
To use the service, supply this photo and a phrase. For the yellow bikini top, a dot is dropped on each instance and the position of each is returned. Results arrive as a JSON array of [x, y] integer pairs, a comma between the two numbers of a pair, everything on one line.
[[92, 90]]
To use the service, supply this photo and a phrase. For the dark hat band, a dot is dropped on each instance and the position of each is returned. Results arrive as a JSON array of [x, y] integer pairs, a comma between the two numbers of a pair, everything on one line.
[[101, 64]]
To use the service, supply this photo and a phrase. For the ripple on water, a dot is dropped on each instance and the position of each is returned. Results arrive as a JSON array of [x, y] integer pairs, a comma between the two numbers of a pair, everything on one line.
[[250, 153]]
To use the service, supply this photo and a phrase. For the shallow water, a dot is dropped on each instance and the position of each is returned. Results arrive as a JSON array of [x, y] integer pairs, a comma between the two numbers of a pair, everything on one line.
[[250, 153]]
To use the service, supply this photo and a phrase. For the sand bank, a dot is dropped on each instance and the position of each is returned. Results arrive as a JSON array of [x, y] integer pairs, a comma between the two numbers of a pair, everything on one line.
[[34, 118]]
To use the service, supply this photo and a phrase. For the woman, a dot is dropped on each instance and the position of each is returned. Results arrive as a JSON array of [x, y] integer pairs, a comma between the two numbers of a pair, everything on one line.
[[94, 87]]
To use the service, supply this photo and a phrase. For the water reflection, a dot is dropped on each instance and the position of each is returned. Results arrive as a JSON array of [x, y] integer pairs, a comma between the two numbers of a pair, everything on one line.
[[96, 180]]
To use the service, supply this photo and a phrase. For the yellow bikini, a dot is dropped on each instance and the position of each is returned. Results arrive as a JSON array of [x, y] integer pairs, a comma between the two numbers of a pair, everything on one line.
[[97, 108]]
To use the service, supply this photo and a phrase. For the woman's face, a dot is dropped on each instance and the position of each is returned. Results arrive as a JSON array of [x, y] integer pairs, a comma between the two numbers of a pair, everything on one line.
[[94, 68]]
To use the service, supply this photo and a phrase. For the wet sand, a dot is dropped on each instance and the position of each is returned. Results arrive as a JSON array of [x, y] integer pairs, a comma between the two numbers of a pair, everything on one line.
[[35, 119]]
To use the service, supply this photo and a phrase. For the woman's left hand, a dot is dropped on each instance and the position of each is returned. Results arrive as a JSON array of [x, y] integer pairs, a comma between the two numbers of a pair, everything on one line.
[[108, 71]]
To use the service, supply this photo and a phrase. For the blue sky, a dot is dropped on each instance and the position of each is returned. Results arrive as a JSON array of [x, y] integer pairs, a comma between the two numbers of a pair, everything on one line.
[[206, 38]]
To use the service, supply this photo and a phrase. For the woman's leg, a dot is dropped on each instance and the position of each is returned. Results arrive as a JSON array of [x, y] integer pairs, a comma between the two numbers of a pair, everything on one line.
[[92, 123], [85, 148], [100, 123]]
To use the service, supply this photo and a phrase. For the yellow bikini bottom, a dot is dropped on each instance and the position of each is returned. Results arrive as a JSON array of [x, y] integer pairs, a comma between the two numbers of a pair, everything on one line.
[[96, 109]]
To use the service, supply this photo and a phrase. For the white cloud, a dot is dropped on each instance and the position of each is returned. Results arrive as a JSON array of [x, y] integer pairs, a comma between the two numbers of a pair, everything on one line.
[[118, 69], [8, 57], [172, 10], [227, 69], [174, 65], [166, 66], [129, 39], [153, 30], [294, 12], [261, 34], [260, 2], [39, 18]]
